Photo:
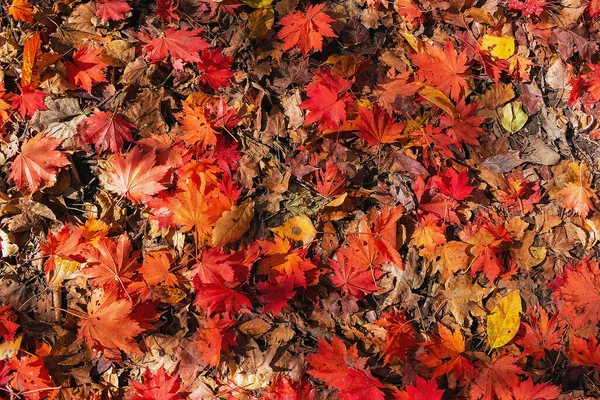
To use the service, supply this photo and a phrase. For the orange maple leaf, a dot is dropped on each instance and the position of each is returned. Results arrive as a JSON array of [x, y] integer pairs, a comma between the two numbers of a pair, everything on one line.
[[585, 352], [135, 176], [21, 10], [86, 69], [446, 354], [306, 29], [37, 164], [108, 327], [377, 127], [496, 379], [197, 128], [279, 259], [578, 193]]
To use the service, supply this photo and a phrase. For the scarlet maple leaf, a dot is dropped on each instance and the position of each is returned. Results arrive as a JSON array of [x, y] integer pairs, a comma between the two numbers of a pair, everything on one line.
[[112, 10], [108, 328], [8, 327], [158, 386], [135, 175], [275, 295], [86, 69], [467, 127], [496, 379], [377, 127], [29, 101], [214, 338], [447, 353], [400, 335], [197, 128], [110, 263], [579, 291], [215, 266], [422, 390], [215, 68], [342, 369], [385, 231], [453, 185], [31, 378], [21, 10], [181, 44], [445, 70], [330, 181], [306, 29], [37, 164], [353, 280], [216, 297], [284, 388], [527, 390], [106, 131], [541, 334], [328, 99], [585, 352]]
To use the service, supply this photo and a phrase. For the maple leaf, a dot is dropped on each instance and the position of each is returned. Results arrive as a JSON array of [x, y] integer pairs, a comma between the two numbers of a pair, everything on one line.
[[37, 164], [215, 266], [445, 70], [29, 101], [328, 98], [112, 10], [64, 247], [215, 68], [496, 379], [21, 10], [467, 127], [284, 388], [447, 354], [158, 386], [535, 7], [422, 390], [352, 279], [107, 131], [197, 128], [527, 390], [306, 29], [180, 44], [578, 193], [135, 175], [214, 338], [541, 334], [216, 297], [585, 352], [8, 327], [342, 369], [453, 185], [275, 295], [165, 9], [400, 335], [108, 327], [86, 69], [429, 233], [397, 86], [579, 291], [31, 378], [385, 231], [280, 260], [110, 263], [330, 181], [377, 127], [156, 268]]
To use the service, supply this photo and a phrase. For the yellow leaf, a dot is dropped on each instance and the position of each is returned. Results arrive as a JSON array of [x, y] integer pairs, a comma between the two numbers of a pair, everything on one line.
[[233, 224], [498, 46], [512, 117], [298, 228], [439, 99], [503, 323]]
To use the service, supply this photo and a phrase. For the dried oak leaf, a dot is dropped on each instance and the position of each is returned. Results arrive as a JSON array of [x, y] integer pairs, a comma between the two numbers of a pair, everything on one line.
[[306, 29], [37, 164], [108, 327], [135, 175]]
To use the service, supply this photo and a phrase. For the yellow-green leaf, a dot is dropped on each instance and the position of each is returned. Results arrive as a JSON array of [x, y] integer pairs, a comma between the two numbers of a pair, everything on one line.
[[257, 3], [260, 23], [499, 46], [512, 117], [503, 323]]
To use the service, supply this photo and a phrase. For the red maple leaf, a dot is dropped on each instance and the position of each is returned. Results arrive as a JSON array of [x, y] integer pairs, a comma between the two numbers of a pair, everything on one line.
[[158, 386], [445, 69], [541, 334], [342, 369], [8, 326], [385, 231], [452, 184], [306, 29], [106, 131], [422, 390], [86, 69], [400, 335], [29, 101], [352, 279], [275, 295], [331, 181], [65, 245], [377, 127], [496, 379], [216, 298], [214, 338], [284, 388], [180, 44], [328, 98], [585, 352], [112, 10], [467, 127], [108, 327], [447, 353], [527, 390], [37, 164], [110, 263], [31, 378], [135, 175], [215, 68], [396, 87], [579, 291]]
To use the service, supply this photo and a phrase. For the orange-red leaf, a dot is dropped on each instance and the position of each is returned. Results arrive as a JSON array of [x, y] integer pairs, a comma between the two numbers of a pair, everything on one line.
[[86, 69], [306, 29], [107, 131], [21, 10], [377, 127]]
